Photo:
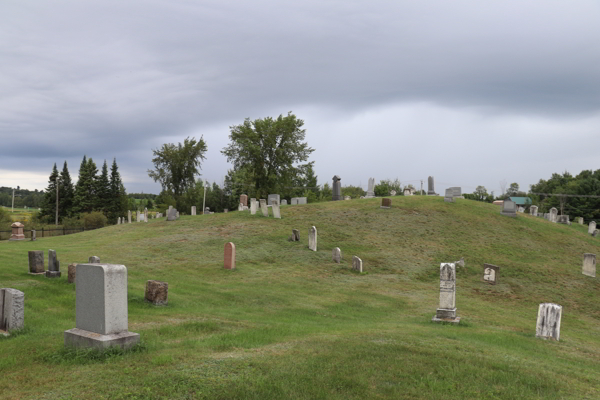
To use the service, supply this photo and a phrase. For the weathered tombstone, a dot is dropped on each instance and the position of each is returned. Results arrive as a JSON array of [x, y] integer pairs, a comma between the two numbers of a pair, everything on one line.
[[430, 188], [490, 273], [157, 292], [71, 272], [101, 308], [347, 198], [509, 208], [312, 238], [457, 192], [589, 264], [53, 265], [275, 208], [592, 227], [170, 208], [548, 321], [145, 215], [448, 196], [176, 214], [225, 210], [392, 193], [298, 200], [229, 256], [553, 217], [240, 207], [337, 255], [337, 188], [12, 310], [580, 220], [244, 199], [36, 262], [264, 208], [17, 232], [357, 264], [371, 189], [295, 236], [171, 214], [129, 216], [294, 201], [533, 210], [407, 192], [386, 203], [272, 197], [33, 237], [94, 260], [596, 231], [563, 219], [193, 210], [253, 206], [521, 209], [447, 310], [118, 220], [284, 202], [460, 263]]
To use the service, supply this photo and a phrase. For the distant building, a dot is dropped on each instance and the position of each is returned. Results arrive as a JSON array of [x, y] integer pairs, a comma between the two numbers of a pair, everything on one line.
[[520, 201]]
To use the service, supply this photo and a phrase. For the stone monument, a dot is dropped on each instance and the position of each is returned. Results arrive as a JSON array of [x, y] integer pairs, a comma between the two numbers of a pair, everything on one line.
[[592, 227], [312, 238], [33, 238], [275, 209], [533, 210], [36, 262], [490, 273], [244, 200], [448, 196], [553, 217], [157, 293], [171, 214], [447, 310], [589, 264], [284, 202], [229, 256], [71, 273], [253, 206], [563, 219], [101, 308], [392, 192], [337, 255], [386, 203], [295, 236], [17, 231], [129, 216], [337, 188], [509, 208], [272, 197], [430, 188], [53, 265], [371, 189], [264, 208], [357, 264], [193, 210], [548, 321], [94, 260], [12, 310]]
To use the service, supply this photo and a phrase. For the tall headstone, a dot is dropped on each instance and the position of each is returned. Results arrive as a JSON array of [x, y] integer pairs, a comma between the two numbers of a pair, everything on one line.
[[157, 293], [371, 188], [53, 265], [264, 208], [548, 321], [448, 197], [36, 262], [12, 310], [312, 238], [33, 238], [118, 220], [253, 206], [509, 208], [272, 197], [101, 308], [430, 188], [337, 255], [17, 231], [145, 215], [193, 210], [490, 273], [244, 200], [337, 188], [553, 215], [129, 216], [71, 273], [275, 208], [357, 264], [447, 310], [589, 264], [592, 227], [533, 210], [229, 256]]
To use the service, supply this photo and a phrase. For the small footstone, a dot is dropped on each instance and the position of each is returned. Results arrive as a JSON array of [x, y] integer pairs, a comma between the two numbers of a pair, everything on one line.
[[94, 260], [337, 255], [357, 264], [157, 292], [548, 321], [229, 256], [490, 273], [71, 273]]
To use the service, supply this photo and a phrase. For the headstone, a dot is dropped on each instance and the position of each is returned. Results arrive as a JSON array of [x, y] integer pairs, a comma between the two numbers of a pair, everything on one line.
[[295, 236], [592, 227], [392, 192], [460, 263], [337, 188], [253, 206], [94, 260], [580, 220], [176, 214], [548, 321], [193, 210], [589, 264], [357, 264], [138, 216], [533, 210], [521, 209], [456, 192], [312, 238], [272, 197], [53, 265], [71, 271], [264, 208], [302, 200], [448, 196], [563, 219], [17, 232], [170, 208], [171, 214], [284, 202], [157, 292], [36, 262], [101, 308], [118, 220], [509, 208], [145, 215], [12, 310], [244, 200], [553, 217], [386, 203], [447, 310], [347, 198], [240, 207], [430, 188], [407, 192], [275, 208], [129, 216], [337, 255], [371, 189], [490, 273], [229, 256], [225, 210], [596, 231]]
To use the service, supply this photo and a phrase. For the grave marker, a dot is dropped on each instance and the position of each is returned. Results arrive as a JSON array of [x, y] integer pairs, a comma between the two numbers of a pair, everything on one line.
[[357, 264], [36, 262], [592, 227], [312, 238], [337, 188], [275, 208], [430, 188], [12, 310], [548, 321], [509, 208], [447, 309], [264, 208], [157, 292], [17, 232], [53, 265], [386, 203], [337, 255], [490, 273], [229, 256], [589, 265]]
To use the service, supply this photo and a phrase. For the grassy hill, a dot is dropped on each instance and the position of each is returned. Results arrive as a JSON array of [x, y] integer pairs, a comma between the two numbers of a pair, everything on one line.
[[289, 323]]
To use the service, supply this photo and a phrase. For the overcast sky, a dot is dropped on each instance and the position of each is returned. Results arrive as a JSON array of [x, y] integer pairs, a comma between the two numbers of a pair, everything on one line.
[[471, 92]]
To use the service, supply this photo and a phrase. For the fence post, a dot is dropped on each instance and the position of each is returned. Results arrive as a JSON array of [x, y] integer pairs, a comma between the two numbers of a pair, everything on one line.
[[64, 231], [42, 231]]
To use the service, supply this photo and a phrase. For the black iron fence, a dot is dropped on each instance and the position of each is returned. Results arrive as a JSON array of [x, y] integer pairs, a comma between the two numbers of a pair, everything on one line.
[[5, 235]]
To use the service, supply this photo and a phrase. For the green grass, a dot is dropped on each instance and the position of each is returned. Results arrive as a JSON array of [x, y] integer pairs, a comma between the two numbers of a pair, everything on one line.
[[288, 323]]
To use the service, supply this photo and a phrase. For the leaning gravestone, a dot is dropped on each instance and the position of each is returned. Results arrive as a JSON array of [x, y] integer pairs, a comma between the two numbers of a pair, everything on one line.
[[36, 262], [447, 310], [53, 265], [386, 203], [264, 208], [312, 238], [592, 227], [337, 255], [157, 293], [589, 265], [229, 262], [448, 196], [357, 264], [548, 321], [272, 197], [490, 273], [509, 208], [533, 210], [596, 231], [295, 236], [253, 206], [430, 188], [337, 188], [101, 308], [275, 208], [371, 189], [12, 310]]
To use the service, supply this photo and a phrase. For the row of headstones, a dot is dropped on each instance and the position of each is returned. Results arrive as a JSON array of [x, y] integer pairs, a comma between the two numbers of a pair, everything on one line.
[[243, 205], [453, 193], [553, 216], [337, 189], [264, 207]]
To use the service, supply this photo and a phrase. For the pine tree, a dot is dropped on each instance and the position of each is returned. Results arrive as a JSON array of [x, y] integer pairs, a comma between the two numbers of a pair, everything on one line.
[[65, 193], [49, 203], [85, 190], [103, 191], [118, 197]]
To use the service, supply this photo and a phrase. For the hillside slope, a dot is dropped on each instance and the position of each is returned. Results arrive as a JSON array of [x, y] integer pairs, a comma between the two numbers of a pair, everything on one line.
[[290, 323]]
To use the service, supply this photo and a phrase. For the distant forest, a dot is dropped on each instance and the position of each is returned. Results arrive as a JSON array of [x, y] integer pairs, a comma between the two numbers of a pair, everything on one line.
[[23, 197]]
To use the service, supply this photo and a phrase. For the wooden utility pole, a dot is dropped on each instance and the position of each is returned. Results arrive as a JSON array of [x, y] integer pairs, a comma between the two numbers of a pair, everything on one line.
[[56, 201], [13, 202]]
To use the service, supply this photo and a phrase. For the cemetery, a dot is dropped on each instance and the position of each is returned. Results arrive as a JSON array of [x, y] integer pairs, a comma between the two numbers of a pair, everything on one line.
[[229, 305]]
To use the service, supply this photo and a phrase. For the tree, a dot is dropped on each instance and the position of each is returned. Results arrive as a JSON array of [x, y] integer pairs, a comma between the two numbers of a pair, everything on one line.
[[268, 149], [103, 191], [117, 197], [65, 193], [49, 205], [385, 186], [513, 189], [85, 189], [176, 166]]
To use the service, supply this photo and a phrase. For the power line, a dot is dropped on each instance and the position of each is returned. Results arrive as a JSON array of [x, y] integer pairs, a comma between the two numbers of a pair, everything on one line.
[[567, 195]]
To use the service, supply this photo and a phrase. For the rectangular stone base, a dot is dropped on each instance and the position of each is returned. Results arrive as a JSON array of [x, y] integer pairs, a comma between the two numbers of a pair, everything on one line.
[[514, 215], [52, 274], [444, 313], [383, 207], [81, 339], [449, 320], [37, 273], [16, 237]]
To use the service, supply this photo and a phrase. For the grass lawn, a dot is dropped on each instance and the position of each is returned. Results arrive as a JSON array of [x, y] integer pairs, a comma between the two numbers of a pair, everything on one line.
[[288, 323]]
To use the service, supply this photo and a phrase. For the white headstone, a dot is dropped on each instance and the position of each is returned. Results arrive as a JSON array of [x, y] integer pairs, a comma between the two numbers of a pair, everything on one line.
[[592, 227], [312, 238], [264, 208], [253, 206], [337, 255], [272, 197], [357, 264], [589, 264], [193, 210], [447, 310], [371, 188], [275, 208], [129, 216], [548, 321]]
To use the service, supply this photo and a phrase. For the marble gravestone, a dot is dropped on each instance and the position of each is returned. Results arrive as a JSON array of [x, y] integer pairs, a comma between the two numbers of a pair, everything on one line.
[[145, 215], [592, 227], [533, 210], [337, 255], [580, 220], [548, 321], [272, 197], [275, 209], [264, 208], [253, 206], [563, 219], [490, 273], [284, 202], [12, 310], [312, 238], [171, 214], [129, 216], [371, 189], [430, 188], [53, 265], [357, 264], [509, 208], [295, 236], [447, 309], [229, 258], [193, 210], [407, 192], [448, 196], [337, 188], [589, 265], [101, 308], [36, 262], [553, 215]]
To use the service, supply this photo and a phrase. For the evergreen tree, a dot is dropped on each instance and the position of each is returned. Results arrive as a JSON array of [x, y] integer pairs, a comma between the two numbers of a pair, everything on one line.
[[65, 193], [84, 200], [49, 204], [103, 202], [118, 196]]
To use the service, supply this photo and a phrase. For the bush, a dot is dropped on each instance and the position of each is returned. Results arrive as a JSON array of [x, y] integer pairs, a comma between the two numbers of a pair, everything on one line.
[[94, 220], [72, 222], [5, 219]]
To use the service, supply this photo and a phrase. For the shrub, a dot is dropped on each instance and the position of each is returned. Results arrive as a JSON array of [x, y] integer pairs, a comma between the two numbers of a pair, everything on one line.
[[5, 219], [94, 220], [72, 222]]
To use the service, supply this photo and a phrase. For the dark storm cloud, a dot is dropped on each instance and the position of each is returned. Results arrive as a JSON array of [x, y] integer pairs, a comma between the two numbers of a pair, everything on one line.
[[114, 79]]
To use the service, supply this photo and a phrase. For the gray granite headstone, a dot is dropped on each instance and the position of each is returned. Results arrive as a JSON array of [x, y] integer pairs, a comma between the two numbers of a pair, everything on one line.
[[53, 265], [430, 187], [12, 309], [548, 321], [371, 189], [589, 265], [272, 197], [36, 262], [509, 208], [171, 214], [448, 197], [337, 188]]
